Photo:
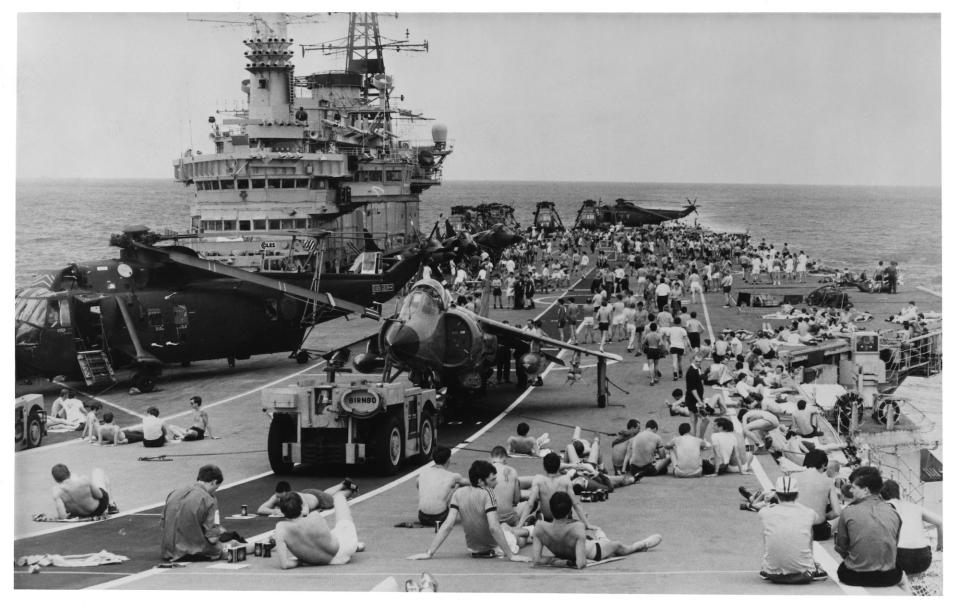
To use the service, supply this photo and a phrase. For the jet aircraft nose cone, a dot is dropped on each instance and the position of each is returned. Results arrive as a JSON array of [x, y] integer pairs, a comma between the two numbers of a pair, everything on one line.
[[404, 342]]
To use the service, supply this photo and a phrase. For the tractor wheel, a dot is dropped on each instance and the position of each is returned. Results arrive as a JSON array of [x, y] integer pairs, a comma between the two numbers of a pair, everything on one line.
[[390, 446], [428, 436], [34, 431], [282, 430]]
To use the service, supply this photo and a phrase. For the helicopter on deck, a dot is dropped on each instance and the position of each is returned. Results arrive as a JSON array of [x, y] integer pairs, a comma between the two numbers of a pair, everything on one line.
[[157, 305], [446, 346]]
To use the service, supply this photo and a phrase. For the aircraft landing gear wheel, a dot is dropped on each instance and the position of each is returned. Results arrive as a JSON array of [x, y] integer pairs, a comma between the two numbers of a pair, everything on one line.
[[282, 429], [145, 381], [34, 431], [302, 357], [428, 437], [232, 362], [390, 446]]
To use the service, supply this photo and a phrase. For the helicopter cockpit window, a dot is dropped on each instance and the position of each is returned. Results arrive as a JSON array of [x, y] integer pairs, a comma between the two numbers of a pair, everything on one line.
[[155, 319], [65, 313], [180, 317], [367, 263]]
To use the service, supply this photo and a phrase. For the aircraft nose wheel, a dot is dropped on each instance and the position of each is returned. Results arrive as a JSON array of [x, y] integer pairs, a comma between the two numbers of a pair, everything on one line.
[[302, 357]]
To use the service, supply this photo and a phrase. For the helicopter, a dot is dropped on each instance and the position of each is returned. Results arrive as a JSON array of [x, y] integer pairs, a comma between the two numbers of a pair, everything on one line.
[[452, 347], [494, 239], [157, 305], [631, 215]]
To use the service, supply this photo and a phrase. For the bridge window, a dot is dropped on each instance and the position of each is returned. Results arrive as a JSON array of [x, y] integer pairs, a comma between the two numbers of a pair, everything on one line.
[[262, 83], [259, 224], [258, 184], [243, 184], [286, 224], [318, 183], [228, 184], [274, 224], [303, 183], [394, 175], [244, 224], [229, 224], [299, 223], [273, 183], [289, 183]]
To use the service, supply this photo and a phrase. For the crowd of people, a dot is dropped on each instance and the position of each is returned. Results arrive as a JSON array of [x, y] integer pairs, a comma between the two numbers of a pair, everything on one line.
[[643, 279]]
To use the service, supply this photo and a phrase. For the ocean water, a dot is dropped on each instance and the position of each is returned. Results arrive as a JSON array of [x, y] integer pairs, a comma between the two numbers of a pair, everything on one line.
[[62, 221]]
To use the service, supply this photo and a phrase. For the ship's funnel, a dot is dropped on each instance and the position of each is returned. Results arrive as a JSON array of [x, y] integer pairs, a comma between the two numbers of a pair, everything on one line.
[[439, 132]]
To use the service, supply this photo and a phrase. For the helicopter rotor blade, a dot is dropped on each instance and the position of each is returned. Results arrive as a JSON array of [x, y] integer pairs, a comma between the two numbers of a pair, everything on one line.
[[255, 279]]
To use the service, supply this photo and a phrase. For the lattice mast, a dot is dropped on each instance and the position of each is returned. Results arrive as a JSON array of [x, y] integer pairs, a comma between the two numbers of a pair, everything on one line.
[[363, 47]]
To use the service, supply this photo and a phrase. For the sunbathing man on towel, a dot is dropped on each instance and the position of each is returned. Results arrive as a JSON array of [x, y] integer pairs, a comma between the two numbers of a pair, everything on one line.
[[308, 540], [313, 499], [80, 496], [568, 539]]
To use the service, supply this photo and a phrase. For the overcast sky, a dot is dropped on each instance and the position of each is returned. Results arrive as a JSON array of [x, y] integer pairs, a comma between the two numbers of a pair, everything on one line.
[[745, 98]]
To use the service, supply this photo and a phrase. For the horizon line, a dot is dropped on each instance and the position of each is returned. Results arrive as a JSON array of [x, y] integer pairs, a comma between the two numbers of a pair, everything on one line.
[[914, 185]]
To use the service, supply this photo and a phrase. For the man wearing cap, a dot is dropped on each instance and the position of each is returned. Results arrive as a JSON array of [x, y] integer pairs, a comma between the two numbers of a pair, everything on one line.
[[788, 537]]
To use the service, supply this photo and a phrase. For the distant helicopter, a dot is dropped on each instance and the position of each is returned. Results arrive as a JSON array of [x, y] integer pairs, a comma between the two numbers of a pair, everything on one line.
[[452, 347], [160, 305], [630, 215], [494, 239]]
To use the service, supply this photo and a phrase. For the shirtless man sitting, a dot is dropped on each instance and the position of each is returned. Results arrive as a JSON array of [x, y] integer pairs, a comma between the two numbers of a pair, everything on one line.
[[312, 499], [523, 444], [571, 541], [435, 487], [544, 486], [80, 496], [308, 539], [70, 413], [109, 432]]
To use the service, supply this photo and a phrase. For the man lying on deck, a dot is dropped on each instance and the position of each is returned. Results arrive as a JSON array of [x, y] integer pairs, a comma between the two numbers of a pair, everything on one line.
[[313, 499], [81, 496], [570, 540]]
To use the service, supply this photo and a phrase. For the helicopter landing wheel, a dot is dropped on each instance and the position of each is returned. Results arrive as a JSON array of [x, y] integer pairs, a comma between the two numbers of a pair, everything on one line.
[[145, 381], [302, 356]]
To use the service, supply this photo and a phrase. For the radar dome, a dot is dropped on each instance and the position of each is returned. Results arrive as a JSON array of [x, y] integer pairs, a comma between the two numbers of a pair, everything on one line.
[[439, 132]]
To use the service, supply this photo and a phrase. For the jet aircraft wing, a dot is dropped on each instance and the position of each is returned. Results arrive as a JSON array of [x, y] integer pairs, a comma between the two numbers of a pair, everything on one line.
[[253, 278], [500, 329]]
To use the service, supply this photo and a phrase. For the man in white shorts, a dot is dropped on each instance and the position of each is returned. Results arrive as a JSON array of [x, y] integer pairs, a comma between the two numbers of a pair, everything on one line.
[[308, 540]]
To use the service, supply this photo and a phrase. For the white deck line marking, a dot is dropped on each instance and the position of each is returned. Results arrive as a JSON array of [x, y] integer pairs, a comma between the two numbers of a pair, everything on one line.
[[929, 291], [383, 488], [706, 316], [544, 571], [820, 555], [175, 415], [134, 511]]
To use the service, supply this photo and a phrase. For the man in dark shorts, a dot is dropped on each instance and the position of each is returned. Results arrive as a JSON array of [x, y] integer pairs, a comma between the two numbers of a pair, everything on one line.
[[645, 455], [569, 540], [80, 496], [693, 379], [200, 428]]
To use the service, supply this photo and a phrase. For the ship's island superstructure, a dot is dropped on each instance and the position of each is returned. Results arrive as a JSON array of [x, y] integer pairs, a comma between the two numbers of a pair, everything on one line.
[[320, 151]]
